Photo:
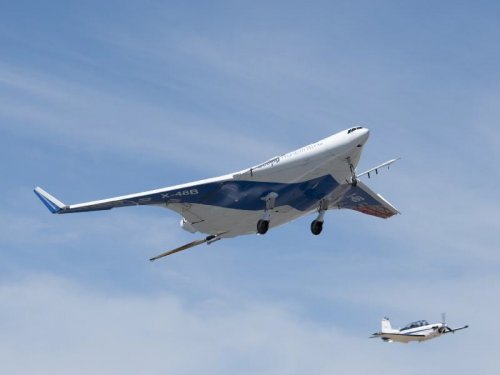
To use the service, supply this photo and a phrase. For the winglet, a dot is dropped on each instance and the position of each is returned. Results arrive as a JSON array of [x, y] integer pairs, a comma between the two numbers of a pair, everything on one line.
[[53, 204]]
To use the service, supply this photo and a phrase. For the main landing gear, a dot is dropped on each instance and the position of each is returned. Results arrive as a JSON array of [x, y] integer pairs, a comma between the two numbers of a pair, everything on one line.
[[317, 224], [263, 224], [316, 227]]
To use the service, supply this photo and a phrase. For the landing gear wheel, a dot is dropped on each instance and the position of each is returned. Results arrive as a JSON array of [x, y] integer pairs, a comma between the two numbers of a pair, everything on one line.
[[354, 183], [316, 227], [262, 226]]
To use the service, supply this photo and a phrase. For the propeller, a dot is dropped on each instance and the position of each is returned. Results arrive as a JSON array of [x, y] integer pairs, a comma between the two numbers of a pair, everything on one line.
[[444, 327]]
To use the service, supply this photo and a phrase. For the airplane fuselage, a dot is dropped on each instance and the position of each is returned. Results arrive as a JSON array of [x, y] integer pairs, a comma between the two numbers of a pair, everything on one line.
[[300, 179], [316, 177], [423, 333], [415, 331]]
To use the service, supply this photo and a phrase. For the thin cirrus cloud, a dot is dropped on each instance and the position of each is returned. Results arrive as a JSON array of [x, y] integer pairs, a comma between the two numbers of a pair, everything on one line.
[[94, 117], [190, 93], [80, 323]]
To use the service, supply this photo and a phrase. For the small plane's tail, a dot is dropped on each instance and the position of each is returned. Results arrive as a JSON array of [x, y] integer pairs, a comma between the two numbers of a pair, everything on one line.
[[384, 329], [386, 326]]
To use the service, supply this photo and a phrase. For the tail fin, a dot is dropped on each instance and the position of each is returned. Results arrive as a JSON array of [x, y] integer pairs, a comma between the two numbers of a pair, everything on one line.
[[386, 326], [53, 204]]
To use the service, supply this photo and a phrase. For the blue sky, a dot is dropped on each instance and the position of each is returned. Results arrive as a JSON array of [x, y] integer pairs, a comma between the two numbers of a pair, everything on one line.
[[98, 100]]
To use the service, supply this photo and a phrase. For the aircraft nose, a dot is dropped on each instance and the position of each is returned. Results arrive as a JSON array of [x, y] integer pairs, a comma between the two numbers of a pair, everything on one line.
[[364, 133]]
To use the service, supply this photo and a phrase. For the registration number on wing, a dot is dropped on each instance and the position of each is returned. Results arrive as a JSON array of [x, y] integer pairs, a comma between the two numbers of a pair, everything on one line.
[[180, 193]]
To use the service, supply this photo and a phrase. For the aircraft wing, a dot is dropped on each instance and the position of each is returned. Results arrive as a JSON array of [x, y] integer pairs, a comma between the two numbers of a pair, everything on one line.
[[186, 193], [399, 337], [361, 198], [456, 329]]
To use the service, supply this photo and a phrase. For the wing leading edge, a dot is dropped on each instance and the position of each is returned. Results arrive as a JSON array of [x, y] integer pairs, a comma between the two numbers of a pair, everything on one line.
[[456, 329], [186, 193], [359, 198]]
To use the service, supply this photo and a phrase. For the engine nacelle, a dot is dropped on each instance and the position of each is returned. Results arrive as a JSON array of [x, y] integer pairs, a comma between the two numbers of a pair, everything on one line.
[[187, 226]]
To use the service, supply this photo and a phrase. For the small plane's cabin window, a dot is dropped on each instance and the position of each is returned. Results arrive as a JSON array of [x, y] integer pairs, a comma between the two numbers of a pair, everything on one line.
[[417, 324], [354, 129]]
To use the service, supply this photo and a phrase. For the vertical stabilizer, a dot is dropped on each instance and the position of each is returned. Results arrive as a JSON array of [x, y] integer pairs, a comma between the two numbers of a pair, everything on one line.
[[386, 326]]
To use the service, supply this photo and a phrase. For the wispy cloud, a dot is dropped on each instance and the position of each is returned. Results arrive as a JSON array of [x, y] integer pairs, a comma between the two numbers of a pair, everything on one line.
[[163, 334], [97, 118], [157, 90]]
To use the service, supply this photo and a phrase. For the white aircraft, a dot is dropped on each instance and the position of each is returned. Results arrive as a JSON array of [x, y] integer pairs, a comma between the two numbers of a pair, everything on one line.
[[314, 178], [415, 331]]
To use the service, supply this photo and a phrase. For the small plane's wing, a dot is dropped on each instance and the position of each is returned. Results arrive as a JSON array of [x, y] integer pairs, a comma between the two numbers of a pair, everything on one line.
[[361, 198], [399, 337], [456, 329], [186, 193]]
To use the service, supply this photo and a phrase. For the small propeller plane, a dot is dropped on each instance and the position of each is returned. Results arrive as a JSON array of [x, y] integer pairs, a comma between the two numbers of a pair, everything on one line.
[[415, 331], [314, 178]]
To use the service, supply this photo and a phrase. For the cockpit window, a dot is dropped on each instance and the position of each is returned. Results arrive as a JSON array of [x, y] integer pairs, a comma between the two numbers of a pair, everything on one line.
[[416, 324], [354, 129]]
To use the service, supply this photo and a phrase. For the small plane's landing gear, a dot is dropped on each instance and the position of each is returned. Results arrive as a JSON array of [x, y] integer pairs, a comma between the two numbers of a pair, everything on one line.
[[316, 227], [262, 226]]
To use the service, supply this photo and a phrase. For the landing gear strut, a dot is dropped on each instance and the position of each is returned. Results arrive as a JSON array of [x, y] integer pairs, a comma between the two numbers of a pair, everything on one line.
[[317, 224], [263, 224], [354, 178]]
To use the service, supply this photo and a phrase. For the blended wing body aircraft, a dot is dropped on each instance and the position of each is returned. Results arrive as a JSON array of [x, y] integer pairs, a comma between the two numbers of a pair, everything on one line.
[[315, 178], [415, 331]]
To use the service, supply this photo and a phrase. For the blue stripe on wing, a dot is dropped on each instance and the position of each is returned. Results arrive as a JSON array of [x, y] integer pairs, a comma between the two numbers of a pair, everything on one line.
[[247, 195], [235, 194]]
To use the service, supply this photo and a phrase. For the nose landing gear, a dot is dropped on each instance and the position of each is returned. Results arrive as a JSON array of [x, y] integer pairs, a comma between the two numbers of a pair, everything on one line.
[[354, 178]]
